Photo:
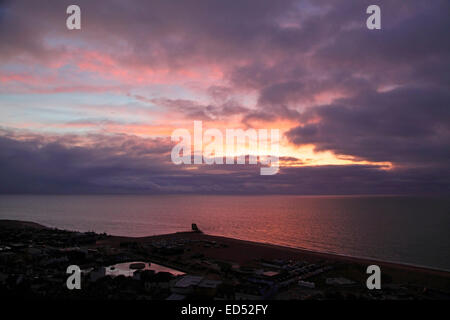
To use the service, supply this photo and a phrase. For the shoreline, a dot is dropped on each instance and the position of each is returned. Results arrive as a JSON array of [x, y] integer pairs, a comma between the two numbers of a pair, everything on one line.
[[331, 254], [306, 253], [114, 240]]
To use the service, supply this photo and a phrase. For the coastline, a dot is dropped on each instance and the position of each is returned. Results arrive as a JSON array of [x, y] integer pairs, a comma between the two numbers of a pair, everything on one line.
[[216, 258], [257, 248], [268, 250], [34, 259]]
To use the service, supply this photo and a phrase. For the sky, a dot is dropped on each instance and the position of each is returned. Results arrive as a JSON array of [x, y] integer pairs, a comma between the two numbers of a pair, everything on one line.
[[92, 111]]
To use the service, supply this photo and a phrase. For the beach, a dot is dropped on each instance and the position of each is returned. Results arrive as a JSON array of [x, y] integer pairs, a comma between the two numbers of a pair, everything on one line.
[[245, 252]]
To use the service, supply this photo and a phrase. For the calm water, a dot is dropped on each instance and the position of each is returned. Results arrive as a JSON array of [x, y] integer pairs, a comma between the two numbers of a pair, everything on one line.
[[403, 229]]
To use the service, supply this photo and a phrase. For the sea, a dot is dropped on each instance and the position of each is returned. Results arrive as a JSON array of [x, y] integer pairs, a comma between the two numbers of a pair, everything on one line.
[[405, 229]]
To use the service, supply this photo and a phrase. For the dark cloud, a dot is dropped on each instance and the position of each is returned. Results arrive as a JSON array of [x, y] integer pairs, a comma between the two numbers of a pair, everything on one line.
[[153, 32], [393, 88], [134, 165], [408, 126], [287, 51]]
